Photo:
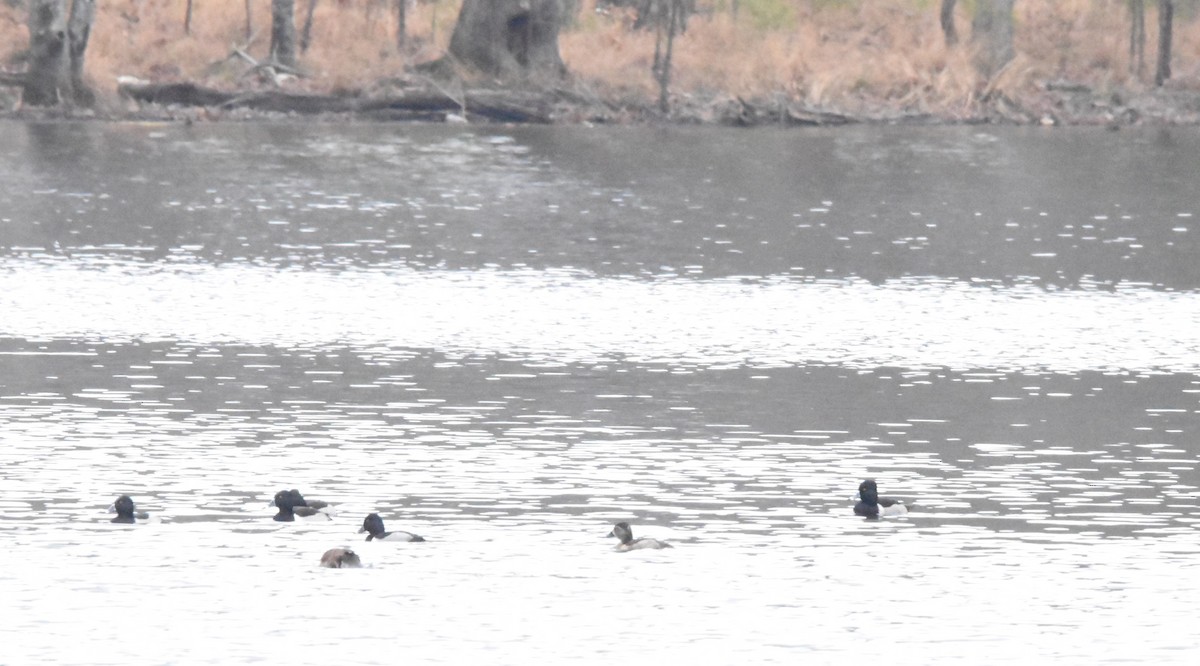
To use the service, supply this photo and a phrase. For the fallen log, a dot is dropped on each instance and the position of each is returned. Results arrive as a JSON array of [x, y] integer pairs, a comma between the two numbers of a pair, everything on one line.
[[794, 116], [492, 105], [497, 106], [178, 94], [745, 113], [283, 102]]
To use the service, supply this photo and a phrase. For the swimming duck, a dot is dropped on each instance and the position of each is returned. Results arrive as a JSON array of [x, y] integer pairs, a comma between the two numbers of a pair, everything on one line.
[[124, 509], [625, 533], [871, 505], [340, 558], [373, 525], [292, 504], [310, 503]]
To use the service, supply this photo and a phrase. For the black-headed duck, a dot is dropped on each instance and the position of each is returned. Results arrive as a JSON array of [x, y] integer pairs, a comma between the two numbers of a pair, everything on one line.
[[126, 511], [871, 505], [291, 504], [373, 526]]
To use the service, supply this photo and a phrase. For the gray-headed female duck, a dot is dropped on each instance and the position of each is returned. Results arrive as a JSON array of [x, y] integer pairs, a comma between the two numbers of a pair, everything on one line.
[[340, 558], [625, 533], [373, 526], [871, 505], [291, 504], [125, 511]]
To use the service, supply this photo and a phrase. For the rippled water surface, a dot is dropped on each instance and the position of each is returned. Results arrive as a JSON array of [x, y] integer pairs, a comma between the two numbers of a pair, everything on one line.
[[506, 340]]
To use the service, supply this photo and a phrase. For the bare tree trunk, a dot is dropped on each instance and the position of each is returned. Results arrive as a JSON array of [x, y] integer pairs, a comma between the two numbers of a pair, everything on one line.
[[47, 81], [249, 23], [187, 19], [283, 32], [654, 13], [656, 67], [306, 32], [1137, 38], [57, 43], [1166, 12], [79, 29], [947, 19], [509, 38], [649, 13], [401, 23], [992, 34], [674, 18]]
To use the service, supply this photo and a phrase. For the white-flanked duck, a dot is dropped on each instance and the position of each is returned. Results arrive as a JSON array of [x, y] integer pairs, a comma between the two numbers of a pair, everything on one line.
[[292, 505], [871, 505], [373, 526]]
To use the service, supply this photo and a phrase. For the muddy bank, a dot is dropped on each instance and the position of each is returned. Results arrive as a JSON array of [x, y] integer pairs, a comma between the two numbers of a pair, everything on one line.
[[1056, 103]]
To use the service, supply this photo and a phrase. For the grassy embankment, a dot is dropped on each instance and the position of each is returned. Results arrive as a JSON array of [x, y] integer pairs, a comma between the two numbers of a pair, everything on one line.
[[855, 56]]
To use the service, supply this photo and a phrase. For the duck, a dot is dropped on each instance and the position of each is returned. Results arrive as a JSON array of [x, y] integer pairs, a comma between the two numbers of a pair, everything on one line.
[[340, 558], [373, 525], [292, 504], [625, 533], [312, 504], [126, 511], [871, 505]]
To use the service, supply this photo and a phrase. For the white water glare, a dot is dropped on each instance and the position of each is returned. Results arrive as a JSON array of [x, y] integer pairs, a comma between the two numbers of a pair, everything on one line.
[[570, 316]]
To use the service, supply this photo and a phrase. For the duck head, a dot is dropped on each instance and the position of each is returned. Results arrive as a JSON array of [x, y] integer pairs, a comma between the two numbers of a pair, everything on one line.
[[868, 492], [124, 509], [373, 526], [623, 532]]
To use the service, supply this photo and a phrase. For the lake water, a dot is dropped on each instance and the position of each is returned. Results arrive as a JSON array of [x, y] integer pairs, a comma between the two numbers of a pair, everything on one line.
[[508, 339]]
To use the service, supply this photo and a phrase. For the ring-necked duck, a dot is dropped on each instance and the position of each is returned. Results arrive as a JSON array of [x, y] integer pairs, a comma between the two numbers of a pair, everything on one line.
[[310, 503], [125, 511], [292, 504], [871, 505], [625, 533], [373, 525], [340, 558]]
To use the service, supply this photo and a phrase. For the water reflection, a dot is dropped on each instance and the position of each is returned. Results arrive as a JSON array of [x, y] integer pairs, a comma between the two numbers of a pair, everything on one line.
[[874, 204]]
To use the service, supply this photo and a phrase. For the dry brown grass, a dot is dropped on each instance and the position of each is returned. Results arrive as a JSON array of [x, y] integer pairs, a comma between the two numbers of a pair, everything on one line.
[[852, 55], [353, 41], [880, 54]]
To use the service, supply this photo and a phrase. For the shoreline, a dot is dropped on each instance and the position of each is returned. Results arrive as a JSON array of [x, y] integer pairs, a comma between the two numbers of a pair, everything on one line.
[[882, 62], [1055, 104]]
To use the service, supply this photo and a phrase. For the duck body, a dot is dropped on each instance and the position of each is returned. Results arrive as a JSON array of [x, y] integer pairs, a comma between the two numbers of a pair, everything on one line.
[[624, 532], [340, 558], [292, 505], [126, 511], [373, 526], [871, 505]]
